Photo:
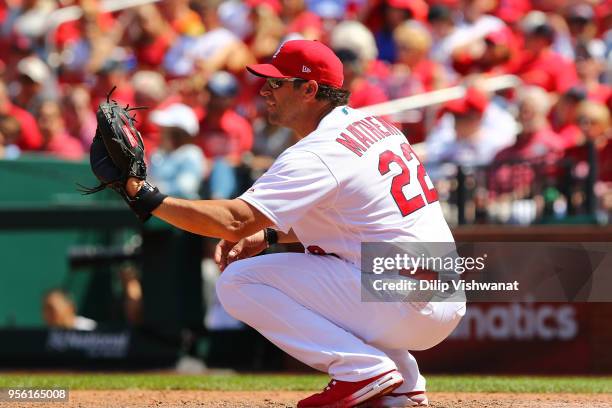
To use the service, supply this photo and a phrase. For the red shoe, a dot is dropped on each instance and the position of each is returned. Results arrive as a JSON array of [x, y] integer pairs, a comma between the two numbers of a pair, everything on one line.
[[345, 394]]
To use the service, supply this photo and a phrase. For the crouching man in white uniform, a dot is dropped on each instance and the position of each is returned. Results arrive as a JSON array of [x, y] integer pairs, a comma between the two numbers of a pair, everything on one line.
[[350, 179]]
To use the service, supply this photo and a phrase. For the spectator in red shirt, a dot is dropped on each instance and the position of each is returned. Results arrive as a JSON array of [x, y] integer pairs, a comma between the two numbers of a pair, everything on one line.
[[535, 143], [88, 43], [223, 132], [539, 65], [24, 27], [594, 122], [300, 20], [56, 139], [492, 55], [30, 137], [150, 36], [413, 73], [590, 64], [79, 117], [564, 116], [536, 138], [510, 11], [73, 31], [113, 74], [354, 36], [469, 28], [363, 92]]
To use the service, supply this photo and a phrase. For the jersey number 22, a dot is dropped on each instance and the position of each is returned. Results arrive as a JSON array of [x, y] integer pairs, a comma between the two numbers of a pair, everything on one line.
[[406, 205]]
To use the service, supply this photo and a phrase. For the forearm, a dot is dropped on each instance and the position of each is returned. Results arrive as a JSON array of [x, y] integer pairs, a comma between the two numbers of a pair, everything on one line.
[[226, 219], [231, 220]]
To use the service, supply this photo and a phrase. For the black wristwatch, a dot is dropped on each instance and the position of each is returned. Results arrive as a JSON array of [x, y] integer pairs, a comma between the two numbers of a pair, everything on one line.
[[271, 236]]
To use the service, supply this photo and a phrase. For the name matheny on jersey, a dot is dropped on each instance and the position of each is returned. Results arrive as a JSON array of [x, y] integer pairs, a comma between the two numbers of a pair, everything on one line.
[[361, 134]]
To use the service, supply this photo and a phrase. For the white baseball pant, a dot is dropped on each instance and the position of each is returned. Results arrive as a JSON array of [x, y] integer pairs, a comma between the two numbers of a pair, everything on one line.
[[310, 306]]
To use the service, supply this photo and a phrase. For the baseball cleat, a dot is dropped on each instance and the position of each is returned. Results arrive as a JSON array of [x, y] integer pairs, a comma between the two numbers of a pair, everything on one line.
[[397, 400], [346, 394]]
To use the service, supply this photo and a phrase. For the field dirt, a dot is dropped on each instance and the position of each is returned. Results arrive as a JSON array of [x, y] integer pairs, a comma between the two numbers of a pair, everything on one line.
[[228, 399]]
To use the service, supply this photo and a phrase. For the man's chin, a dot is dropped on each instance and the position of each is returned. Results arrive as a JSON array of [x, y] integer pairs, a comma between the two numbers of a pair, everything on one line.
[[273, 119]]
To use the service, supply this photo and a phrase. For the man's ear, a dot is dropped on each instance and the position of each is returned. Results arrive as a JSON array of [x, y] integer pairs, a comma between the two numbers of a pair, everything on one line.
[[310, 90]]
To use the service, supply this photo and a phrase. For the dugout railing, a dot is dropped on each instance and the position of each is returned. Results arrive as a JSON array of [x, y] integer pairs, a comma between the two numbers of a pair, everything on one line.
[[520, 192]]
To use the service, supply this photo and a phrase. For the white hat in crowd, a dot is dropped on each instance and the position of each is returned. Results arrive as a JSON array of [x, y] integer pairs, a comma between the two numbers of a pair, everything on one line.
[[356, 37], [35, 69], [177, 115]]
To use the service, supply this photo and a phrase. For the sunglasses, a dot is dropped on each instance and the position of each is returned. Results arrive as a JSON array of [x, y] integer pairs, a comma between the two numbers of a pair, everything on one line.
[[276, 83]]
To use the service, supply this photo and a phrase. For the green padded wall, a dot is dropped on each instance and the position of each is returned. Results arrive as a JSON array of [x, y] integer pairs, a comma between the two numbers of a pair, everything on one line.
[[40, 221]]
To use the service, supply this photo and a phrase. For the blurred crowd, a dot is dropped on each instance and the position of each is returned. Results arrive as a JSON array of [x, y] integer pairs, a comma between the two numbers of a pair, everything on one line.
[[205, 129]]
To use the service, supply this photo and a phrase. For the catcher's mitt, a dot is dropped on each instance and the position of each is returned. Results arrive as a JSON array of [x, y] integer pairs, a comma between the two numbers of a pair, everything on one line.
[[117, 153]]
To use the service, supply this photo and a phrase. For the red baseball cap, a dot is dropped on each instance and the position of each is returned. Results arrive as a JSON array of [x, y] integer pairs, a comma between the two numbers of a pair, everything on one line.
[[418, 8], [274, 5], [473, 100], [304, 59]]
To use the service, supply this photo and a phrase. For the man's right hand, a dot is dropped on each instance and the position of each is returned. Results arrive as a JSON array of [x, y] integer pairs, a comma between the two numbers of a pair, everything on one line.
[[227, 252]]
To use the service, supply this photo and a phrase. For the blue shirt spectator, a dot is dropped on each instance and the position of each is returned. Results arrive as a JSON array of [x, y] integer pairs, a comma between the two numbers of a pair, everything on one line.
[[177, 166]]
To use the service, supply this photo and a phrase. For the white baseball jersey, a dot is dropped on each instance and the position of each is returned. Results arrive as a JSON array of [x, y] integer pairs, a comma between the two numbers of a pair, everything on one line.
[[354, 179]]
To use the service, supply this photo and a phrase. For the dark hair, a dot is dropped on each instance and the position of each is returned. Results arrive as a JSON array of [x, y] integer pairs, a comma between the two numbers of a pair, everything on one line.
[[178, 136], [439, 12], [335, 96], [349, 58], [575, 94], [545, 31]]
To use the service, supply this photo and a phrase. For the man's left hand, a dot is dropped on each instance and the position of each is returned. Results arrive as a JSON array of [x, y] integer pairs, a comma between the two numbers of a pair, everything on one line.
[[227, 252]]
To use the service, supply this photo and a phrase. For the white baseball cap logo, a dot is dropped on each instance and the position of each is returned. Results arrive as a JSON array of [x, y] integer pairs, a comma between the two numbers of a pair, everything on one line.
[[278, 50], [305, 69]]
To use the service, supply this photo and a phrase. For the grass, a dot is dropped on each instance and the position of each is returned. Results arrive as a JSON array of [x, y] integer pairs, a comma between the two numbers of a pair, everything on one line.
[[242, 382]]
